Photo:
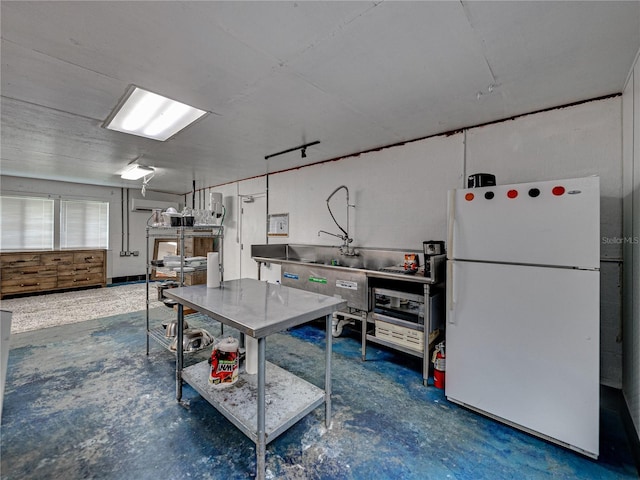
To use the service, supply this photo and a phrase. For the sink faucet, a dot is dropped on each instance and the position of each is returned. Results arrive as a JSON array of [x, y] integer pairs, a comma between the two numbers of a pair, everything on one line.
[[341, 237], [345, 249]]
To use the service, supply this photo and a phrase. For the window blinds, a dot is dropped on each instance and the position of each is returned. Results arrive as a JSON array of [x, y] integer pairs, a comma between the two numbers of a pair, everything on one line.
[[26, 223], [84, 224]]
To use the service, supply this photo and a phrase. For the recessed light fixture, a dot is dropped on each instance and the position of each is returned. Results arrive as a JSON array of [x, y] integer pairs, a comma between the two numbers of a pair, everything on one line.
[[135, 171], [150, 115]]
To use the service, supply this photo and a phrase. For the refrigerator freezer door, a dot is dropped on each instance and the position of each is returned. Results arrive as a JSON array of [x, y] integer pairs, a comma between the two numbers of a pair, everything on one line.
[[540, 223], [523, 346]]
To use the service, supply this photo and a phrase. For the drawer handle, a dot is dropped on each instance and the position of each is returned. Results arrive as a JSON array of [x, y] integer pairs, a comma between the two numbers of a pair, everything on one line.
[[29, 284], [89, 258], [56, 259]]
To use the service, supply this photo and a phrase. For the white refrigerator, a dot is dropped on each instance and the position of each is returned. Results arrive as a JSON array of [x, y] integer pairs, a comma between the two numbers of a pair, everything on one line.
[[523, 319]]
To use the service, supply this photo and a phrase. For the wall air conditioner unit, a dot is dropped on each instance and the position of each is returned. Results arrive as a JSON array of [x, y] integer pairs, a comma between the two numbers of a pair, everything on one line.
[[142, 205]]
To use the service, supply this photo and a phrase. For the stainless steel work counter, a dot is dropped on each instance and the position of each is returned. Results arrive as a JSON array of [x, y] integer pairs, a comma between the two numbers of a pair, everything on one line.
[[254, 307], [418, 277], [257, 309]]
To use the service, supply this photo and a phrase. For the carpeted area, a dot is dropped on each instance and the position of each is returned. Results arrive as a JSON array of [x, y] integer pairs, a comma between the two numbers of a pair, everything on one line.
[[84, 401], [43, 311]]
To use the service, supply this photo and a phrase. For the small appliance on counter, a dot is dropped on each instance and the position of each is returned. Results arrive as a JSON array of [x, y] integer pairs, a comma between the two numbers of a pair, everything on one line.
[[434, 259], [478, 180]]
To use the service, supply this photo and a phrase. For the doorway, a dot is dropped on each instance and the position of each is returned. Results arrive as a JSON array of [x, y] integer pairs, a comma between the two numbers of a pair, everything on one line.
[[253, 230]]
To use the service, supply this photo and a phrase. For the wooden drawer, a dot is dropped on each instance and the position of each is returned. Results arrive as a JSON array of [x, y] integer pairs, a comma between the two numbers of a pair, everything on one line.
[[34, 272], [80, 279], [88, 256], [79, 269], [56, 258], [19, 259], [28, 284]]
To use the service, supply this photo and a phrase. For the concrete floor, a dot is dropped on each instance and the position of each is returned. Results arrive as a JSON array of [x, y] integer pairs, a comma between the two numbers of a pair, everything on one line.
[[84, 401]]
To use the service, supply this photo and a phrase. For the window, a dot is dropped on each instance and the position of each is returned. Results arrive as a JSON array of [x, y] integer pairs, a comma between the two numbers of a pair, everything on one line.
[[31, 223], [84, 224], [26, 223]]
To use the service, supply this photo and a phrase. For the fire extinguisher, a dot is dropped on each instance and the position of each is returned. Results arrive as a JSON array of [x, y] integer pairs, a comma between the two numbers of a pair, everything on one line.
[[438, 365]]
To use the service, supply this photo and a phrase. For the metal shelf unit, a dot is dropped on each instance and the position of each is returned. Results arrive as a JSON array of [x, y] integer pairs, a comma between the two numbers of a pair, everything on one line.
[[180, 234], [401, 328]]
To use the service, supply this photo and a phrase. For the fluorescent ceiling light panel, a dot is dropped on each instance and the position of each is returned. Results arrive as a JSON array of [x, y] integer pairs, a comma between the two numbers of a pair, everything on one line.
[[134, 172], [151, 115]]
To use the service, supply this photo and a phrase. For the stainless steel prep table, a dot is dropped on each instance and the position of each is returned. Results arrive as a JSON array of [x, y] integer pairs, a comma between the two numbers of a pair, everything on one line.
[[257, 309]]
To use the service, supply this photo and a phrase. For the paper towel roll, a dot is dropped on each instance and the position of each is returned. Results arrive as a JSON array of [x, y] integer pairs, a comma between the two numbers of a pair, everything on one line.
[[251, 358], [213, 270]]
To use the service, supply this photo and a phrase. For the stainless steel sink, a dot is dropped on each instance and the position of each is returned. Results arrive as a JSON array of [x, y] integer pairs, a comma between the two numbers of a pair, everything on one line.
[[322, 269], [349, 284]]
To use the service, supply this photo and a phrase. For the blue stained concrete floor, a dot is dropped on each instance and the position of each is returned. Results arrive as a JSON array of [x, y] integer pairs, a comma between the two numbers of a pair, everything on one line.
[[84, 401]]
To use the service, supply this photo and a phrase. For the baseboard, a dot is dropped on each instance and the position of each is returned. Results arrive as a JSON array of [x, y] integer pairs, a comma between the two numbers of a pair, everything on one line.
[[128, 279]]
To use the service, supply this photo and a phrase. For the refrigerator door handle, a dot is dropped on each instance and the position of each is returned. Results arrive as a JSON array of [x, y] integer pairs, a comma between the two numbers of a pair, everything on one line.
[[451, 292], [451, 219]]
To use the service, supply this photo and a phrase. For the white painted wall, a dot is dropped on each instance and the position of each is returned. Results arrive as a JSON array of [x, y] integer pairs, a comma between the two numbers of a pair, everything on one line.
[[116, 266], [400, 195], [631, 245]]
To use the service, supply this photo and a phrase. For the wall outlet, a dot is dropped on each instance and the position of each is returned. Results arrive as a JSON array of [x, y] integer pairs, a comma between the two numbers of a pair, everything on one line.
[[135, 254], [124, 254]]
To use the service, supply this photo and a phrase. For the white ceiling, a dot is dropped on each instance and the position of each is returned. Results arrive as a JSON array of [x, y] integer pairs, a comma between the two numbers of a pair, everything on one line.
[[274, 75]]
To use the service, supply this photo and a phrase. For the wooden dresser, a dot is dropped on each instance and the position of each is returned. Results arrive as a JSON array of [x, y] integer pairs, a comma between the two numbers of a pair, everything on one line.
[[30, 272]]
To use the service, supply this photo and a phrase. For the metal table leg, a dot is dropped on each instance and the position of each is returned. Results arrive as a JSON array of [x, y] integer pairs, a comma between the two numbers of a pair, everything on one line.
[[364, 336], [261, 445], [179, 353], [327, 373], [426, 358]]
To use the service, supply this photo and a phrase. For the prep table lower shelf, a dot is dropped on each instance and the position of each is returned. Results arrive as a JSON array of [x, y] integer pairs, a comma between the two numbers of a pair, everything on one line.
[[263, 405], [288, 398], [158, 334]]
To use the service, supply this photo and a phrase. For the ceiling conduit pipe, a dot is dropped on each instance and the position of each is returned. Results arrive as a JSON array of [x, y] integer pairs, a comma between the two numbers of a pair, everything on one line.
[[122, 213], [127, 210]]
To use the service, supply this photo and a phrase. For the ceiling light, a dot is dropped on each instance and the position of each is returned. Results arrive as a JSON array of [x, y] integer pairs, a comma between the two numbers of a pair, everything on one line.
[[135, 171], [151, 115]]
